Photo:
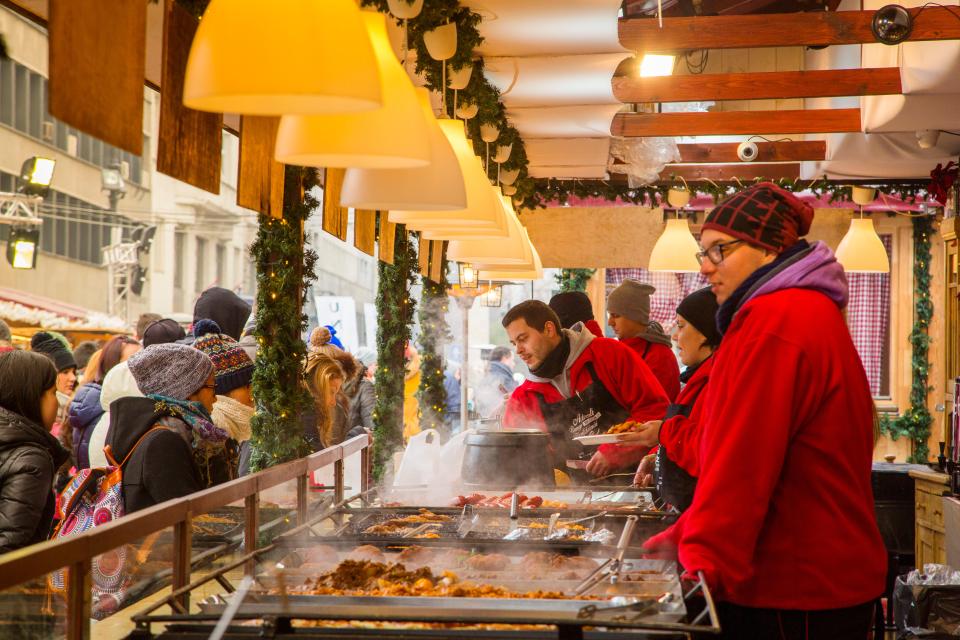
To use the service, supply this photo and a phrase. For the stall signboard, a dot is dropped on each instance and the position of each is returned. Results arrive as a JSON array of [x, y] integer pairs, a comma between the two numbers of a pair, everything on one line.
[[340, 312]]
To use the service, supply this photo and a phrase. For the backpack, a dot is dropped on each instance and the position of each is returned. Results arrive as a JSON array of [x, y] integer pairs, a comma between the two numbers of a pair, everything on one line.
[[94, 497]]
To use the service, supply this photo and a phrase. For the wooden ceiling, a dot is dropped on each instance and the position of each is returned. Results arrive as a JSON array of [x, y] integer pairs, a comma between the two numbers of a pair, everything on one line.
[[707, 25]]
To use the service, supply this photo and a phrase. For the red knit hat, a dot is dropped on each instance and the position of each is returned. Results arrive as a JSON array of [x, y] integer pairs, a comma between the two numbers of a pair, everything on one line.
[[763, 215]]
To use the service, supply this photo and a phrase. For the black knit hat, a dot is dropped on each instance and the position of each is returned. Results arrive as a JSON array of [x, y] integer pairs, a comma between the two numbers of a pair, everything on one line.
[[47, 344], [700, 309], [572, 307], [163, 331]]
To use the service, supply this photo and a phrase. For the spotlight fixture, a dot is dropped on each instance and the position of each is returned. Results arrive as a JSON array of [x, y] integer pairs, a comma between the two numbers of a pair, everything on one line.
[[656, 65], [468, 276], [891, 24], [927, 138], [22, 247], [36, 175]]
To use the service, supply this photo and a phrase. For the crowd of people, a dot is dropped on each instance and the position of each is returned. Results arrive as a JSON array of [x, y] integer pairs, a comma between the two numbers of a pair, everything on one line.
[[171, 407]]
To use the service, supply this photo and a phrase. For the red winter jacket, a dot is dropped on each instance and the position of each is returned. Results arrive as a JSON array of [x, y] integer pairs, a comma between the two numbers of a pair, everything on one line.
[[622, 372], [680, 435], [661, 360], [594, 328], [783, 513]]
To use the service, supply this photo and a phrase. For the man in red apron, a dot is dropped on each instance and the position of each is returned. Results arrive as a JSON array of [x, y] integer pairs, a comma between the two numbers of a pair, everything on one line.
[[578, 385]]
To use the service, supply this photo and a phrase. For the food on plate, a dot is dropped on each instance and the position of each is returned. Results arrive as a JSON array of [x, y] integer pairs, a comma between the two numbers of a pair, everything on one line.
[[367, 553], [624, 427], [488, 562]]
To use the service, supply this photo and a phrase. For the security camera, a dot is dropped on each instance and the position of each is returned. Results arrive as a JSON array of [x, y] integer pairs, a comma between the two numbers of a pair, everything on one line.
[[747, 151]]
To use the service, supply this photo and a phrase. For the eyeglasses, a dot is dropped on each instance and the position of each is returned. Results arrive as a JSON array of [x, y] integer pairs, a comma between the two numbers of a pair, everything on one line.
[[716, 253], [209, 386]]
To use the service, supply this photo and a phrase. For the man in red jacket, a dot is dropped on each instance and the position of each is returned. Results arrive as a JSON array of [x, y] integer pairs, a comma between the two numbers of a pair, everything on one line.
[[629, 309], [782, 523], [578, 385]]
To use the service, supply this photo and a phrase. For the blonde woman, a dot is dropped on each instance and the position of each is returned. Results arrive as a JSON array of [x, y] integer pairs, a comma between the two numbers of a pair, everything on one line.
[[324, 379]]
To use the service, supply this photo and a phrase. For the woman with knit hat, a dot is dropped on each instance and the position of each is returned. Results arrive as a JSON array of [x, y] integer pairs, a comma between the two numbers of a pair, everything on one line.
[[628, 308], [782, 523], [676, 464], [55, 346], [173, 446]]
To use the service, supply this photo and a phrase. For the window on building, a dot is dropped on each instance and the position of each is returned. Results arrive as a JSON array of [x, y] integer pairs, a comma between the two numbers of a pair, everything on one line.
[[179, 243], [221, 264], [200, 281]]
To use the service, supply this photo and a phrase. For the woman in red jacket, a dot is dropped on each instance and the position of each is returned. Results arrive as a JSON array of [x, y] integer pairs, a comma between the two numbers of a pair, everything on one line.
[[676, 464], [782, 523]]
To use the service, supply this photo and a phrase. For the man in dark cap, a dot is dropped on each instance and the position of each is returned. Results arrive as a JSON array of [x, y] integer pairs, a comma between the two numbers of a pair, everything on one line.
[[163, 331], [224, 307], [573, 307], [784, 495]]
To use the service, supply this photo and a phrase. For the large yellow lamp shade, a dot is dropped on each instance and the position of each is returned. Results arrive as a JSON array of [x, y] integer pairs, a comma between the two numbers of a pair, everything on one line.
[[861, 250], [285, 56], [513, 250], [436, 187], [532, 271], [676, 249], [430, 230], [482, 210], [394, 136]]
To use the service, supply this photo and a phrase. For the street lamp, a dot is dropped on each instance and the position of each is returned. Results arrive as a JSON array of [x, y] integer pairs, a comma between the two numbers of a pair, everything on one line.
[[111, 181]]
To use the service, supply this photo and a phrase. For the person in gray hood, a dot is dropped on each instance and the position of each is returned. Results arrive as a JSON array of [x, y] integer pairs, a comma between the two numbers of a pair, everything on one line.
[[578, 385]]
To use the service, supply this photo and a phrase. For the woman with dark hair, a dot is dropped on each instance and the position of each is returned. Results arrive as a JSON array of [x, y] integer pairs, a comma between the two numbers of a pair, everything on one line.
[[29, 454], [85, 410]]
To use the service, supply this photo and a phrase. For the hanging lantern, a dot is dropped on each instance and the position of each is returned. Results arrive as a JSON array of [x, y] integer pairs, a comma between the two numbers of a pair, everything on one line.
[[439, 186], [493, 297], [862, 250], [243, 56], [676, 249], [468, 276], [392, 137]]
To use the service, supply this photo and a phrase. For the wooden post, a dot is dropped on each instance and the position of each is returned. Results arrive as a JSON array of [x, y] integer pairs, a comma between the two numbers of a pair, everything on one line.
[[78, 601], [182, 544], [302, 499], [365, 473], [252, 516], [338, 481]]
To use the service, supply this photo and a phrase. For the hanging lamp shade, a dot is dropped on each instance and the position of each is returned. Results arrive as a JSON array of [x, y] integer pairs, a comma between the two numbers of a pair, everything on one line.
[[678, 198], [454, 231], [460, 78], [676, 249], [489, 132], [503, 153], [441, 42], [271, 58], [439, 186], [861, 250], [509, 190], [404, 10], [514, 250], [467, 110], [862, 195], [509, 176], [533, 271], [481, 209], [394, 136]]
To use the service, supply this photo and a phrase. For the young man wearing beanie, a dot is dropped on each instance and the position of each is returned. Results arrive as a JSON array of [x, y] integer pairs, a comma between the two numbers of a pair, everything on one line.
[[578, 385], [782, 522], [573, 307], [173, 445], [56, 348], [629, 309], [233, 372]]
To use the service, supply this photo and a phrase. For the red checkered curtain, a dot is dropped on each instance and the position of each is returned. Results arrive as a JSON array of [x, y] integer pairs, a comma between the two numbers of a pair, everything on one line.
[[671, 288], [868, 316]]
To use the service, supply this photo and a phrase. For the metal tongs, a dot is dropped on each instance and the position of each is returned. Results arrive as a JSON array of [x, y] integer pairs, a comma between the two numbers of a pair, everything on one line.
[[610, 570], [639, 609]]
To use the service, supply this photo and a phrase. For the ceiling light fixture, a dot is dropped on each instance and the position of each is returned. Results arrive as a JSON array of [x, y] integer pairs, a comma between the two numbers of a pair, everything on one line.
[[653, 65]]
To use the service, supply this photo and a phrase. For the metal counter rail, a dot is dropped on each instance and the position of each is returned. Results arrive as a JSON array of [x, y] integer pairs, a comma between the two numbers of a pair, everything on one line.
[[75, 553]]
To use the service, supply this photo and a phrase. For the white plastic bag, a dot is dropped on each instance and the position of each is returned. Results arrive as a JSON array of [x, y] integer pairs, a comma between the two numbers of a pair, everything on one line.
[[420, 460], [451, 458]]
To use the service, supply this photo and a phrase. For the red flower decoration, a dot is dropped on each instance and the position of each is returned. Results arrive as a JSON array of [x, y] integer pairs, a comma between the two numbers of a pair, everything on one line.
[[941, 180]]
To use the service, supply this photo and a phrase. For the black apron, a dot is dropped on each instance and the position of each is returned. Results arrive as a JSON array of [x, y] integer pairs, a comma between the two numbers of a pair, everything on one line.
[[591, 411], [675, 485]]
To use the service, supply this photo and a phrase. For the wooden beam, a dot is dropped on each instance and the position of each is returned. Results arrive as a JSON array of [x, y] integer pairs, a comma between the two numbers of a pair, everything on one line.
[[743, 171], [759, 85], [640, 125], [786, 151], [777, 30]]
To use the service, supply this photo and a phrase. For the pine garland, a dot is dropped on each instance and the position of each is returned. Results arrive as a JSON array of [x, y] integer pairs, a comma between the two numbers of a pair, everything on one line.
[[394, 317], [574, 279], [434, 334], [916, 421], [285, 268]]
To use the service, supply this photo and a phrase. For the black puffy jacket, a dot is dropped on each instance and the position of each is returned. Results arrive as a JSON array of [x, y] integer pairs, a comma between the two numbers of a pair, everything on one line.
[[29, 458]]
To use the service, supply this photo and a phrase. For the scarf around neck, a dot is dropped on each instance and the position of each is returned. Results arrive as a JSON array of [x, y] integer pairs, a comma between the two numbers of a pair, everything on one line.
[[194, 414], [233, 417], [553, 364]]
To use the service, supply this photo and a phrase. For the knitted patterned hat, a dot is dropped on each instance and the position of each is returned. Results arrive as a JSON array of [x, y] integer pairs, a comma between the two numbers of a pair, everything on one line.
[[763, 215], [48, 344], [174, 370], [233, 368]]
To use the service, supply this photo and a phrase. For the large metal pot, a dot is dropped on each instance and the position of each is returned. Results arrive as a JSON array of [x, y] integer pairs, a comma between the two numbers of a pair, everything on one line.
[[507, 459]]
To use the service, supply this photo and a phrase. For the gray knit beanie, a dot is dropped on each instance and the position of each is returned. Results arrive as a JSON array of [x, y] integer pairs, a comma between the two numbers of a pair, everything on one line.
[[173, 370], [5, 332], [631, 300]]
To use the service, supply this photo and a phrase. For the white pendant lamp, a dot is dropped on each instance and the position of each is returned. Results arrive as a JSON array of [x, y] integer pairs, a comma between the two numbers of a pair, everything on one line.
[[502, 153], [467, 110], [533, 271], [676, 249], [453, 231], [861, 250], [482, 205], [438, 186], [514, 250], [509, 176], [392, 137], [272, 58], [509, 190]]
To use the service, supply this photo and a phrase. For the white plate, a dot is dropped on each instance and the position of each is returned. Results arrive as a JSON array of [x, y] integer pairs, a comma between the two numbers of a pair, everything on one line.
[[603, 438]]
